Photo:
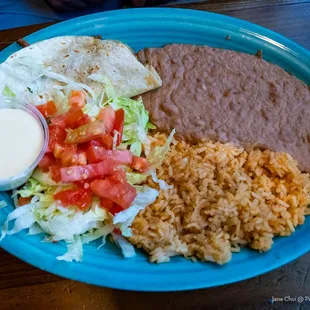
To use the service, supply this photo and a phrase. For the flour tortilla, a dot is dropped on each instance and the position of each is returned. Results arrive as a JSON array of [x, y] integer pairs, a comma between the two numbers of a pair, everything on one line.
[[34, 71]]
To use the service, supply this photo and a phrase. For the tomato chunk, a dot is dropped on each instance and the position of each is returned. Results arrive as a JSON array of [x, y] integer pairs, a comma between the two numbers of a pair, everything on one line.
[[96, 154], [79, 173], [47, 109], [107, 115], [85, 119], [106, 203], [73, 116], [61, 148], [71, 119], [55, 173], [139, 163], [80, 197], [77, 98], [106, 141], [85, 133], [119, 124], [56, 135], [47, 161], [23, 200], [121, 193]]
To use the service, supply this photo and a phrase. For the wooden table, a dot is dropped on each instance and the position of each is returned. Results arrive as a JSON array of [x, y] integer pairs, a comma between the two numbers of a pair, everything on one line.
[[25, 287]]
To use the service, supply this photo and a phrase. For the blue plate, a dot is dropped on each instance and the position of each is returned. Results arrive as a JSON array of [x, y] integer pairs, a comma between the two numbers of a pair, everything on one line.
[[142, 28]]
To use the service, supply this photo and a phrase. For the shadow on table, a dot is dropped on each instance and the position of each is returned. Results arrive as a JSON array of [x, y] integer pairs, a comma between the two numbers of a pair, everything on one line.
[[290, 280]]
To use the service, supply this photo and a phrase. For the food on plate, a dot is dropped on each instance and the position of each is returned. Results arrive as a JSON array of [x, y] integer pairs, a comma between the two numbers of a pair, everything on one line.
[[37, 71], [105, 173], [221, 198], [23, 137], [229, 97], [19, 130]]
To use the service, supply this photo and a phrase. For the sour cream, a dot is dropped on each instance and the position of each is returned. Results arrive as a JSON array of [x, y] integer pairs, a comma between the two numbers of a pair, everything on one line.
[[21, 141]]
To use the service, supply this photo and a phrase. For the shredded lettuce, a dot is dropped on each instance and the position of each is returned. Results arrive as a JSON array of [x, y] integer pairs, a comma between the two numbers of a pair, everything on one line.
[[74, 251], [124, 219], [162, 184], [136, 122], [134, 178], [32, 188], [69, 224], [127, 249], [156, 157], [100, 78], [3, 204], [7, 92]]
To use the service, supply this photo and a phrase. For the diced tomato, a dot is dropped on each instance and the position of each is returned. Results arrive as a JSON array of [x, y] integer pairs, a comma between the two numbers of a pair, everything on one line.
[[85, 133], [121, 193], [116, 230], [73, 116], [106, 141], [106, 203], [80, 197], [59, 120], [78, 173], [47, 161], [69, 154], [47, 109], [119, 124], [71, 119], [139, 163], [77, 98], [85, 119], [86, 145], [56, 135], [23, 200], [119, 176], [107, 115], [61, 148], [96, 154], [55, 173], [82, 184]]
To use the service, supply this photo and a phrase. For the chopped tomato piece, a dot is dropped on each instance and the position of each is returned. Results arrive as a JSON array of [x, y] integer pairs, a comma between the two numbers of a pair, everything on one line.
[[71, 119], [80, 197], [79, 173], [61, 148], [56, 135], [107, 115], [116, 209], [47, 161], [106, 203], [119, 124], [59, 120], [121, 193], [73, 116], [85, 133], [82, 184], [106, 141], [86, 145], [96, 154], [85, 119], [139, 163], [116, 230], [23, 200], [47, 109], [73, 158], [77, 98], [55, 173]]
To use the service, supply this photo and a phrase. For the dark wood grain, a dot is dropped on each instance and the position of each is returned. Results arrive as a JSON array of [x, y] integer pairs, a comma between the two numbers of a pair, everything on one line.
[[290, 18], [25, 287]]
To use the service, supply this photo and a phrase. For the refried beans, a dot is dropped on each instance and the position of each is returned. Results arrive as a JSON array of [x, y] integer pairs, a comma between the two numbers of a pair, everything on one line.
[[229, 97]]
